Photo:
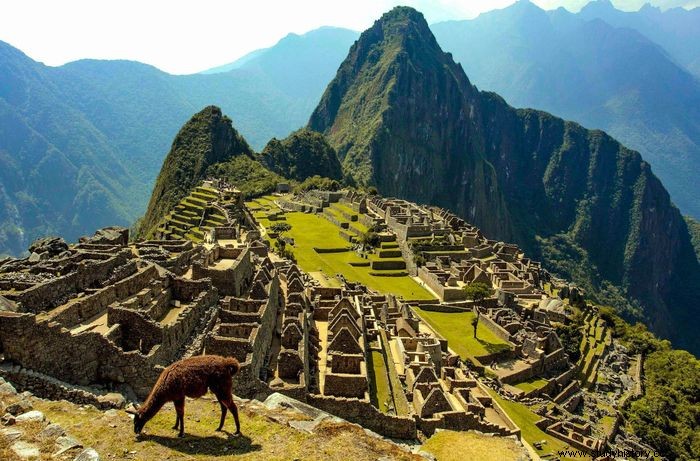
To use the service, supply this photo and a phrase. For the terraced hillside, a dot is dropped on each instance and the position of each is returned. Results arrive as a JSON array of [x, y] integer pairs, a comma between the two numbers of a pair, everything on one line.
[[192, 217], [596, 337]]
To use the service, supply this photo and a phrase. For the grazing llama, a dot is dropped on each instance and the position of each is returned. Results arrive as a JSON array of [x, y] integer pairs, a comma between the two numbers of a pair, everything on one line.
[[191, 377]]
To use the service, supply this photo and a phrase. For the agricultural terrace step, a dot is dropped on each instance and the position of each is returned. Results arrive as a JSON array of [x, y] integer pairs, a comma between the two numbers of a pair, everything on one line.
[[345, 212], [179, 222], [360, 263], [198, 196], [193, 237], [206, 190], [191, 220], [389, 273], [196, 201], [389, 264], [193, 207]]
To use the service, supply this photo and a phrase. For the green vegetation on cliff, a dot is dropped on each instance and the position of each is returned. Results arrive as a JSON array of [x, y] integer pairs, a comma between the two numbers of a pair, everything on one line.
[[600, 73], [206, 139], [694, 229], [247, 174], [666, 415], [404, 118], [301, 155]]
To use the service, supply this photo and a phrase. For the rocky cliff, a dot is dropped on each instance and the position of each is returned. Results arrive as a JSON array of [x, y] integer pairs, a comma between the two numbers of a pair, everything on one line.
[[405, 118]]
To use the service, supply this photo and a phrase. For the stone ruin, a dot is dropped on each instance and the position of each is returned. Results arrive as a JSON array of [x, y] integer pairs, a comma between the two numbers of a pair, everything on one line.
[[106, 314]]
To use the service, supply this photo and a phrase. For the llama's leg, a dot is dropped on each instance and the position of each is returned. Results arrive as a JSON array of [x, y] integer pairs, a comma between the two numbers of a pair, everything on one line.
[[180, 409], [234, 410], [177, 419], [223, 416]]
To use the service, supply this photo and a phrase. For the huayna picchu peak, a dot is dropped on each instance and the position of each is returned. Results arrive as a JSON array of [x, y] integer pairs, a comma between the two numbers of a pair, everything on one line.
[[403, 117], [208, 138], [422, 271]]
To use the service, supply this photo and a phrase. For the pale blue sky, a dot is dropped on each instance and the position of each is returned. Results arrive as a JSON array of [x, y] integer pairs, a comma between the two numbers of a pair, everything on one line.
[[185, 36]]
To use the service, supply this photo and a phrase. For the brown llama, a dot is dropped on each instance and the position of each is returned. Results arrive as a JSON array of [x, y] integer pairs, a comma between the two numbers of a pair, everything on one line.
[[191, 377]]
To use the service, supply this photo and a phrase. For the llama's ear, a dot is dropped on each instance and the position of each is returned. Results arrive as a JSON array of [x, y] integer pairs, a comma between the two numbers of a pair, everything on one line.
[[132, 409]]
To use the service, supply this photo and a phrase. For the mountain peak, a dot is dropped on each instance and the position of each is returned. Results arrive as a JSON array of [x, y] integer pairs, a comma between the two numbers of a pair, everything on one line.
[[402, 14], [206, 139], [600, 6], [398, 46], [401, 22]]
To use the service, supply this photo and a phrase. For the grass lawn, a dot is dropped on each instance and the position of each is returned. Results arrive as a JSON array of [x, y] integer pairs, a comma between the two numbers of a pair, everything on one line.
[[531, 384], [309, 231], [525, 419], [460, 446], [457, 329], [380, 395]]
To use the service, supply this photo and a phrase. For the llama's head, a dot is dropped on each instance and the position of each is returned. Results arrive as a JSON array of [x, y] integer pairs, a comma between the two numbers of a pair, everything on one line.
[[139, 420]]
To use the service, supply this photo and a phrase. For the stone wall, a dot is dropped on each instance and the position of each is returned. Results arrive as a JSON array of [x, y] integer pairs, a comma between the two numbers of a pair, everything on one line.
[[495, 328], [47, 387], [225, 233], [461, 421], [252, 347], [81, 309], [82, 358], [51, 294], [232, 281], [346, 385], [388, 265], [363, 413]]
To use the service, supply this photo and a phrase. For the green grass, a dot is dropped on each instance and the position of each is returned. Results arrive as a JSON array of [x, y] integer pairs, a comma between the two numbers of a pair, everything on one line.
[[531, 384], [525, 419], [457, 329], [345, 208], [380, 395], [460, 446], [309, 231], [262, 438], [607, 422]]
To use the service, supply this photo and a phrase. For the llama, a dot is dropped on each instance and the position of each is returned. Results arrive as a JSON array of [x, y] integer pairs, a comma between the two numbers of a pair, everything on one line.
[[191, 377]]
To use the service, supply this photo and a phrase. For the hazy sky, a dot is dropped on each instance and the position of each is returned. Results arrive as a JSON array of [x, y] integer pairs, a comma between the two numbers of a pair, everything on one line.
[[189, 36]]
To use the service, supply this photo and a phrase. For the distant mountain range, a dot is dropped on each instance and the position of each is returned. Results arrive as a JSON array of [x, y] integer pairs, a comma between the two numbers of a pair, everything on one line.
[[677, 30], [81, 144], [103, 127], [601, 76]]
